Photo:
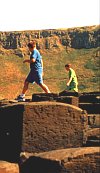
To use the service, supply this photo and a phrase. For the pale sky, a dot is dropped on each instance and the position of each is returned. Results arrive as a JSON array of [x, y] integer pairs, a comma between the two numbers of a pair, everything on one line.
[[18, 15]]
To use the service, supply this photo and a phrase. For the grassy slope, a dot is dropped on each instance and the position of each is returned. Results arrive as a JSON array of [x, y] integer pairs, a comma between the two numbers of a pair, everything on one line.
[[84, 61]]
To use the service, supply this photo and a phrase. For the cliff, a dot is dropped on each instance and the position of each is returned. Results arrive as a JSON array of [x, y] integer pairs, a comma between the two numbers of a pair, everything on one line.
[[82, 37]]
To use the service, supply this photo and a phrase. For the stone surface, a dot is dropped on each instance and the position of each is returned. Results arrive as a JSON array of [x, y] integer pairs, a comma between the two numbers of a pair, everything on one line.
[[94, 120], [35, 127], [63, 97], [93, 137], [51, 125], [73, 160], [11, 124], [90, 102], [90, 97], [40, 126], [94, 132], [69, 100], [91, 108], [7, 167]]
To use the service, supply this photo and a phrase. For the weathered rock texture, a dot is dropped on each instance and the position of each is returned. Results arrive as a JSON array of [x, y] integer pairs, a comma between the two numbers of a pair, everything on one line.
[[69, 98], [94, 120], [7, 167], [93, 137], [73, 160], [50, 125], [90, 102], [11, 124], [42, 126], [83, 37]]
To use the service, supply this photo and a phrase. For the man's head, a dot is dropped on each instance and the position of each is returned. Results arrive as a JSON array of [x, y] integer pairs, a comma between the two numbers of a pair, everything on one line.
[[67, 66], [31, 45]]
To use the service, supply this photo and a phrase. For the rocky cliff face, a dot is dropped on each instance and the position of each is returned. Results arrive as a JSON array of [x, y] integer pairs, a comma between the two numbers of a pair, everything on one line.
[[83, 37]]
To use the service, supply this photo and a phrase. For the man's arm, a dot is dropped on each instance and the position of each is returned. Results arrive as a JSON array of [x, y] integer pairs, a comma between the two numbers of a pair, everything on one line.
[[29, 60], [69, 81]]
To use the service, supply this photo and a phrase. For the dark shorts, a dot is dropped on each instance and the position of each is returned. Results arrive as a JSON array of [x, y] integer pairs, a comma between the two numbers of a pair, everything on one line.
[[73, 87], [35, 76]]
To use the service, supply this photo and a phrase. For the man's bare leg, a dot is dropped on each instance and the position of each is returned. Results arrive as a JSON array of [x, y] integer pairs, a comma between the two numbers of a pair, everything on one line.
[[45, 88], [25, 88]]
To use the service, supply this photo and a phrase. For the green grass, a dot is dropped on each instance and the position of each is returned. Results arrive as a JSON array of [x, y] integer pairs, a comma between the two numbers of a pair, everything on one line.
[[84, 61]]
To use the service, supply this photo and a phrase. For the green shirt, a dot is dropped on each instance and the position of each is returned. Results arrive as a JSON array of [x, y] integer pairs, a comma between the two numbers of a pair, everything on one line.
[[74, 82]]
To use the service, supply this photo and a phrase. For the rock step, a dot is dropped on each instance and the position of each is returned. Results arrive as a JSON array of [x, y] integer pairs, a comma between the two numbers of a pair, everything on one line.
[[73, 100], [7, 167], [91, 97], [62, 161], [93, 143], [94, 120], [93, 137], [91, 108]]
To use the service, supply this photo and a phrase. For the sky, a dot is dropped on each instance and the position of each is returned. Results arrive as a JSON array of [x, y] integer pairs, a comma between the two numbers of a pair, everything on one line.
[[18, 15]]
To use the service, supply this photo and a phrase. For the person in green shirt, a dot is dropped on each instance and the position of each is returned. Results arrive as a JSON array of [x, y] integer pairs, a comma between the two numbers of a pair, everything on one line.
[[72, 83]]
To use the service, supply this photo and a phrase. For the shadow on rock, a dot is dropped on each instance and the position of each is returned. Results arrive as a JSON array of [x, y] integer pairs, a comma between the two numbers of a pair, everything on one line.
[[40, 165]]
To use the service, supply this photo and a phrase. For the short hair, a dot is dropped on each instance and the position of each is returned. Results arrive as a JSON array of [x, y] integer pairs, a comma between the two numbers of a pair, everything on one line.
[[31, 44], [68, 65]]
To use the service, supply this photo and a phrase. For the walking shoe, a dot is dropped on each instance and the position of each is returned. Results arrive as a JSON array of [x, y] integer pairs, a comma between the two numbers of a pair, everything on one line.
[[20, 98]]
